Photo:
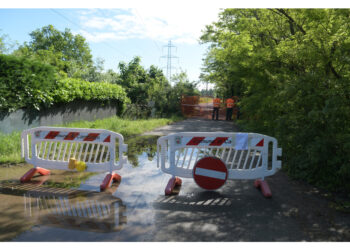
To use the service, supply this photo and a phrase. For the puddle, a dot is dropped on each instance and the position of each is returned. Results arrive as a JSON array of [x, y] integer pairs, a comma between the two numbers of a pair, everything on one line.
[[68, 206]]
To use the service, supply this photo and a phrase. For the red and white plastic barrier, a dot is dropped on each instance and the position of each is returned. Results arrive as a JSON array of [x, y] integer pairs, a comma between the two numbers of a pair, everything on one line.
[[53, 147], [76, 209], [212, 158]]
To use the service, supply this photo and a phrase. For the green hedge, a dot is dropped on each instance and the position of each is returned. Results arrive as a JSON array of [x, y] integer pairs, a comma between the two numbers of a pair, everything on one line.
[[31, 84], [69, 89], [24, 83]]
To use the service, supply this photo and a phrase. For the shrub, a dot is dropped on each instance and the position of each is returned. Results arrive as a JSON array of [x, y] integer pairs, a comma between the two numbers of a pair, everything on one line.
[[69, 89], [31, 84], [24, 83]]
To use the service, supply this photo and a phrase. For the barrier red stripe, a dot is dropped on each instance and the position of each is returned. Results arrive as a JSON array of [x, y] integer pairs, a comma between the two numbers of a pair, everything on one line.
[[108, 139], [71, 136], [260, 144], [91, 136], [195, 141], [218, 141], [52, 135]]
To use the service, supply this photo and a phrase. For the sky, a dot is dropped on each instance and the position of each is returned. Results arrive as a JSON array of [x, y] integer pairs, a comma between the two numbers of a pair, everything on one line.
[[119, 34], [120, 30]]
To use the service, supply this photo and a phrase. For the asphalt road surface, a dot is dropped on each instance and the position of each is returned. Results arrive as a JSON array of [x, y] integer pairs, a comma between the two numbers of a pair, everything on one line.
[[138, 210]]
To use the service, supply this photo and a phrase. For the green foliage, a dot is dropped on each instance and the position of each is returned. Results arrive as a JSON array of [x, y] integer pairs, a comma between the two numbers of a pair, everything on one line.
[[209, 92], [291, 69], [133, 78], [10, 147], [69, 89], [6, 44], [72, 47], [24, 83], [2, 44], [141, 144], [148, 89], [31, 84], [136, 111], [67, 52], [157, 90], [182, 86], [150, 92]]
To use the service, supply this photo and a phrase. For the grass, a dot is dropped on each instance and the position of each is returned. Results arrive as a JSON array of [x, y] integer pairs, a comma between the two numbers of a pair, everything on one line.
[[124, 126], [10, 148], [10, 144], [205, 99]]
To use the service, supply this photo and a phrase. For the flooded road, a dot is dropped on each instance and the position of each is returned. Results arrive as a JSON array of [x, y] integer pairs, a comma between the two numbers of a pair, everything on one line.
[[67, 206]]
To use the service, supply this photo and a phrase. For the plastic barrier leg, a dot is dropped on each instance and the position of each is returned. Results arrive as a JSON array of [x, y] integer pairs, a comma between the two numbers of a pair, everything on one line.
[[108, 180], [43, 179], [264, 187], [27, 176], [172, 183]]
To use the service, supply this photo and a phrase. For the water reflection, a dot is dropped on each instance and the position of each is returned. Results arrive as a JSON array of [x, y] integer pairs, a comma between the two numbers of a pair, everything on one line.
[[67, 206], [88, 211], [70, 209], [139, 145]]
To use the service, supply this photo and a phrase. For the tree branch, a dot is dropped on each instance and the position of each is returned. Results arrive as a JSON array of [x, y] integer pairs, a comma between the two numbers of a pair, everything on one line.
[[283, 12], [330, 62]]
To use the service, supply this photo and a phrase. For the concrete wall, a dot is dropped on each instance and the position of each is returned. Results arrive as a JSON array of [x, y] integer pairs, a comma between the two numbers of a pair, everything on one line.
[[74, 111]]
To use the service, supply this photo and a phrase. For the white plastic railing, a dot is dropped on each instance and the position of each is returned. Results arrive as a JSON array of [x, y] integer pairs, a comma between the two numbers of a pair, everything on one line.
[[76, 210], [246, 155], [52, 147]]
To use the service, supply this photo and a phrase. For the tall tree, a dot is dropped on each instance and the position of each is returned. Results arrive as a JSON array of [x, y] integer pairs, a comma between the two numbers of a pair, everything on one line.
[[72, 47], [2, 44], [59, 48], [158, 89], [291, 69], [183, 85], [133, 79], [6, 44]]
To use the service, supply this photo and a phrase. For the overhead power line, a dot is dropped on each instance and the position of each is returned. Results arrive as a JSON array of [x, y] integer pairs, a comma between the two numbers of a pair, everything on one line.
[[67, 19]]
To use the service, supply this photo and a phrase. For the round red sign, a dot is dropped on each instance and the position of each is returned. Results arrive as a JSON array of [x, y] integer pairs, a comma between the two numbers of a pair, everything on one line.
[[210, 173]]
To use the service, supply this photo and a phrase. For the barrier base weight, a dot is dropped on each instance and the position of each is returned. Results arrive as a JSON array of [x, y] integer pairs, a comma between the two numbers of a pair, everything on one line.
[[27, 176], [172, 183], [264, 187], [108, 180]]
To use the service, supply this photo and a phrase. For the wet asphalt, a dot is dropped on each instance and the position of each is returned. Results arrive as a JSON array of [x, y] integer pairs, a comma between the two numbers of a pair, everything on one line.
[[196, 125], [137, 209]]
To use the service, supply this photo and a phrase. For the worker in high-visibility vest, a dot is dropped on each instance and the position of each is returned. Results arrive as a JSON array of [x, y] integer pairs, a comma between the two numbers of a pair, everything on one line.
[[229, 108], [216, 104]]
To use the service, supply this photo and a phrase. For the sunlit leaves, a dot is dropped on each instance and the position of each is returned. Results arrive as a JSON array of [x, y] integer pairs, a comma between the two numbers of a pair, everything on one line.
[[291, 68]]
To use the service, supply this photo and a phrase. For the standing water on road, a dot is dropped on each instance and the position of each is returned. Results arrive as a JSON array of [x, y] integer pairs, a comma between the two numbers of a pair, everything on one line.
[[69, 207]]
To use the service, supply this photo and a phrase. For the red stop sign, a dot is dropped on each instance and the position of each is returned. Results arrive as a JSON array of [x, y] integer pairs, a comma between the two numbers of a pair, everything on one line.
[[210, 173]]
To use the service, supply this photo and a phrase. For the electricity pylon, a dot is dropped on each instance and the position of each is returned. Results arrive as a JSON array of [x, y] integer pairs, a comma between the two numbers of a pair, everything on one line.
[[169, 57]]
